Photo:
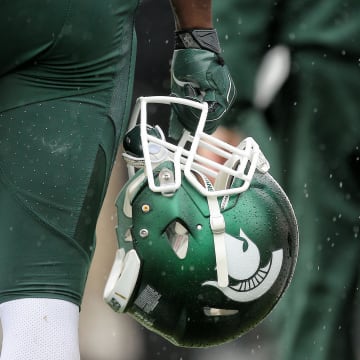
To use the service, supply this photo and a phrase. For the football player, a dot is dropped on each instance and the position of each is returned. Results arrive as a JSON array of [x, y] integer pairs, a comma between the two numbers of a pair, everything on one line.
[[313, 124], [66, 74]]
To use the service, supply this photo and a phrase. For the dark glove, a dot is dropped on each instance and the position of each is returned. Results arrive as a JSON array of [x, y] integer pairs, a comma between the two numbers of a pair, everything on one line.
[[198, 73]]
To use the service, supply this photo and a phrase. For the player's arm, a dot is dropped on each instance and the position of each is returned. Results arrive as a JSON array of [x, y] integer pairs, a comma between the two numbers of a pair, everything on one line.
[[198, 71], [191, 14]]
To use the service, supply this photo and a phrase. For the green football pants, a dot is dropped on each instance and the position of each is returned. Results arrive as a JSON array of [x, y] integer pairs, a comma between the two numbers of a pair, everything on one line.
[[66, 70]]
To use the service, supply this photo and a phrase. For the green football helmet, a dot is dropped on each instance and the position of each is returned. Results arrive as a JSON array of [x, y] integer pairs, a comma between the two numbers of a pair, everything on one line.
[[200, 262]]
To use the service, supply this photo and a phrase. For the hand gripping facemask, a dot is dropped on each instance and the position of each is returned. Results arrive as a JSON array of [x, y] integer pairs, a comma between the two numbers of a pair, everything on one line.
[[206, 250]]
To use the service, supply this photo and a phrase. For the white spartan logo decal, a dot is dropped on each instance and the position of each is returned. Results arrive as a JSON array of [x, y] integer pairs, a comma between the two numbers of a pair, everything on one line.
[[244, 266]]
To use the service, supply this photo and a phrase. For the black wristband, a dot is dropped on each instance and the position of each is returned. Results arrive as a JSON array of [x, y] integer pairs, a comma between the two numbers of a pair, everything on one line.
[[206, 39]]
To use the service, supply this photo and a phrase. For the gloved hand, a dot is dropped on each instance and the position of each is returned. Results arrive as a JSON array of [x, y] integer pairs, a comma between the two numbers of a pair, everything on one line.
[[198, 73]]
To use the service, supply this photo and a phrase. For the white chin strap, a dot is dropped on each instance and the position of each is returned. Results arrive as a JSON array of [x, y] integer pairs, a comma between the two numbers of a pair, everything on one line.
[[217, 225], [122, 279]]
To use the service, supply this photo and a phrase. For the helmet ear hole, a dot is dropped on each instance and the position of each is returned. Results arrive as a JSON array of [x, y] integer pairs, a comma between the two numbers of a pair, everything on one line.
[[178, 237]]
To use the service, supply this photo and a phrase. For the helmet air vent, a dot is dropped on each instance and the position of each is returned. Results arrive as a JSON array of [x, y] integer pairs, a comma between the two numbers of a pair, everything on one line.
[[210, 311], [178, 238]]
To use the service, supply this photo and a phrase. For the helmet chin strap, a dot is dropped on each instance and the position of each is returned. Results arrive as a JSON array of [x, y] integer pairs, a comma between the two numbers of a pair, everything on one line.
[[217, 225]]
